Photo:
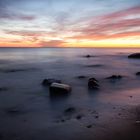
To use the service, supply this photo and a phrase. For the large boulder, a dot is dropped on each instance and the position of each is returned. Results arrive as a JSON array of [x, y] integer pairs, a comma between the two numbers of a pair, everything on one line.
[[48, 82], [134, 55], [59, 89], [93, 83]]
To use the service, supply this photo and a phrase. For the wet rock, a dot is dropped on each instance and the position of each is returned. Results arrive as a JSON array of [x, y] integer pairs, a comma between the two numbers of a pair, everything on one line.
[[96, 117], [89, 126], [138, 73], [70, 110], [16, 70], [81, 77], [48, 82], [93, 83], [59, 89], [88, 56], [13, 111], [1, 136], [94, 66], [113, 77], [3, 88], [79, 117], [134, 55]]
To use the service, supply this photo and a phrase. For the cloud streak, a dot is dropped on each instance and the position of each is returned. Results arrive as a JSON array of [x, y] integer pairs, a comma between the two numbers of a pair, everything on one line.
[[62, 23]]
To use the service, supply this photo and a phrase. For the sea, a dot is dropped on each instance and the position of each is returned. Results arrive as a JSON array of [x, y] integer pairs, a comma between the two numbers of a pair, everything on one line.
[[29, 107]]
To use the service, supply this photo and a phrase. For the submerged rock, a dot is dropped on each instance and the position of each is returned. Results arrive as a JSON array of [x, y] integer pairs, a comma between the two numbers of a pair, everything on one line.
[[79, 117], [70, 110], [134, 55], [88, 56], [138, 73], [93, 83], [48, 82], [81, 77], [114, 77], [59, 89], [3, 88], [89, 126]]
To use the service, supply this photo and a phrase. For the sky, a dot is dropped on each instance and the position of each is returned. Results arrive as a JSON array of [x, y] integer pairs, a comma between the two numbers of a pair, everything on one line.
[[69, 23]]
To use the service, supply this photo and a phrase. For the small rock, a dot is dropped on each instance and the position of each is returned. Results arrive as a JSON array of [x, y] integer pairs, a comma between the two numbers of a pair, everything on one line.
[[81, 77], [114, 77], [62, 120], [137, 122], [70, 110], [59, 89], [3, 88], [79, 117], [138, 73], [13, 111], [134, 55], [48, 82], [89, 126], [1, 136], [96, 117], [119, 114], [88, 56], [93, 83]]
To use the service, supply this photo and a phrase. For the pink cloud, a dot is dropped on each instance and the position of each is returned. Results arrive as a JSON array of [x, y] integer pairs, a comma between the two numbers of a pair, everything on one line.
[[52, 43], [113, 25]]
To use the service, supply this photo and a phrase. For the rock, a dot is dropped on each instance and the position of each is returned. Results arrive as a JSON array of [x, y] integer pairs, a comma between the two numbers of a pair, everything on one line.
[[88, 56], [3, 88], [13, 110], [59, 89], [48, 82], [134, 55], [81, 77], [70, 110], [79, 117], [138, 73], [96, 117], [93, 83], [114, 77], [89, 126]]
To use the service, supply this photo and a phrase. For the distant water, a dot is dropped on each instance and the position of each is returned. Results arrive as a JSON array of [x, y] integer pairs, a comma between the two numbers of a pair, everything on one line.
[[23, 70], [51, 54]]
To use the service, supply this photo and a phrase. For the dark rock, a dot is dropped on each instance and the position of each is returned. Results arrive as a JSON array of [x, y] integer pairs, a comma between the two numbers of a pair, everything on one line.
[[93, 83], [1, 136], [13, 110], [62, 120], [138, 73], [70, 110], [81, 77], [134, 55], [88, 56], [79, 117], [114, 77], [89, 126], [96, 117], [48, 82], [94, 66], [16, 70], [3, 88], [59, 89]]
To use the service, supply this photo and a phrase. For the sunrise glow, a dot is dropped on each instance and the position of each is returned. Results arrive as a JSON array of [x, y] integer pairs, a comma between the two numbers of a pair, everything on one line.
[[75, 23]]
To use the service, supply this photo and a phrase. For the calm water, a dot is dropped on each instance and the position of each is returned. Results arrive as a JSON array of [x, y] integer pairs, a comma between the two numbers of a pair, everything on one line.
[[22, 71]]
